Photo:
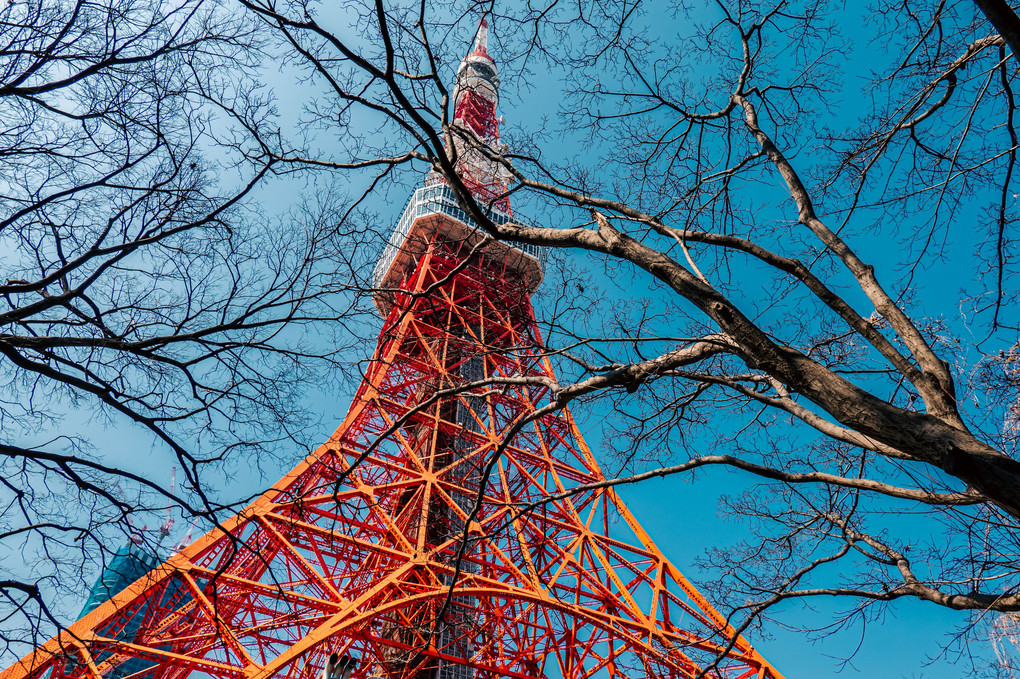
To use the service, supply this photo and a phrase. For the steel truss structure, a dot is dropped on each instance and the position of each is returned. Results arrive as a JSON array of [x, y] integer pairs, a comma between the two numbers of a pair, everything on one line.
[[454, 527], [446, 525]]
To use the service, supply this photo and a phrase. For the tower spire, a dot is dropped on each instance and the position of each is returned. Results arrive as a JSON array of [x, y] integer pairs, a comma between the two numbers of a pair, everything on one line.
[[482, 39], [475, 97], [476, 93]]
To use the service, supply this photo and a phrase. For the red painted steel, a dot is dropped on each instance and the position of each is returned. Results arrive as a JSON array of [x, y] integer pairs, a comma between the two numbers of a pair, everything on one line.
[[451, 528], [355, 550]]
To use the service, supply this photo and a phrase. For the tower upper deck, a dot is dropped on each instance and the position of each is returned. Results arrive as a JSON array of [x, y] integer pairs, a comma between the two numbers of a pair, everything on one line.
[[432, 212]]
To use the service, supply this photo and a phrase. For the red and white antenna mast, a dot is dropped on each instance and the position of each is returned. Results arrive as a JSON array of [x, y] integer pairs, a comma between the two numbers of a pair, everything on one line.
[[475, 97], [476, 93]]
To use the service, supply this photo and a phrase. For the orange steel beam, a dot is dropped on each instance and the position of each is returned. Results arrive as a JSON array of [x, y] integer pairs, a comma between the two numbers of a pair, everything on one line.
[[355, 549]]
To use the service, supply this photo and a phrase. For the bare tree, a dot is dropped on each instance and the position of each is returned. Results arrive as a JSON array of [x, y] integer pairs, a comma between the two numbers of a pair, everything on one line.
[[783, 203], [142, 288], [787, 219]]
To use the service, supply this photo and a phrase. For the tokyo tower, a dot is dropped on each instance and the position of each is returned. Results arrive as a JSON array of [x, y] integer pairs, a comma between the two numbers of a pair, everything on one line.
[[451, 528]]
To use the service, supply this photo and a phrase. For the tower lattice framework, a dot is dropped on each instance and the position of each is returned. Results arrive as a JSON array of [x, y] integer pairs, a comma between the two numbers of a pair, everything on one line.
[[451, 528]]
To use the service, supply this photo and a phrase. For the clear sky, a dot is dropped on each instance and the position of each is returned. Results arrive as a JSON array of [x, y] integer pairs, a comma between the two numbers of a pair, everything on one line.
[[684, 518], [908, 641], [912, 639]]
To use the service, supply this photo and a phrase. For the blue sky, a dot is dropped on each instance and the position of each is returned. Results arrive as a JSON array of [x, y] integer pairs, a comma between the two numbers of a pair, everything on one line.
[[684, 518]]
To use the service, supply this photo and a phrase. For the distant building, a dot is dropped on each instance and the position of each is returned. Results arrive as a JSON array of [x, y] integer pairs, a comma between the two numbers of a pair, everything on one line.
[[131, 562]]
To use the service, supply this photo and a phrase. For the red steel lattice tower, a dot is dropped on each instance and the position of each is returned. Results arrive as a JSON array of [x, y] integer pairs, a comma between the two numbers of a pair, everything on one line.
[[445, 531]]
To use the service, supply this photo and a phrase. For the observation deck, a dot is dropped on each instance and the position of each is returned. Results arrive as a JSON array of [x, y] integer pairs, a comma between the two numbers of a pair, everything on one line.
[[433, 209]]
